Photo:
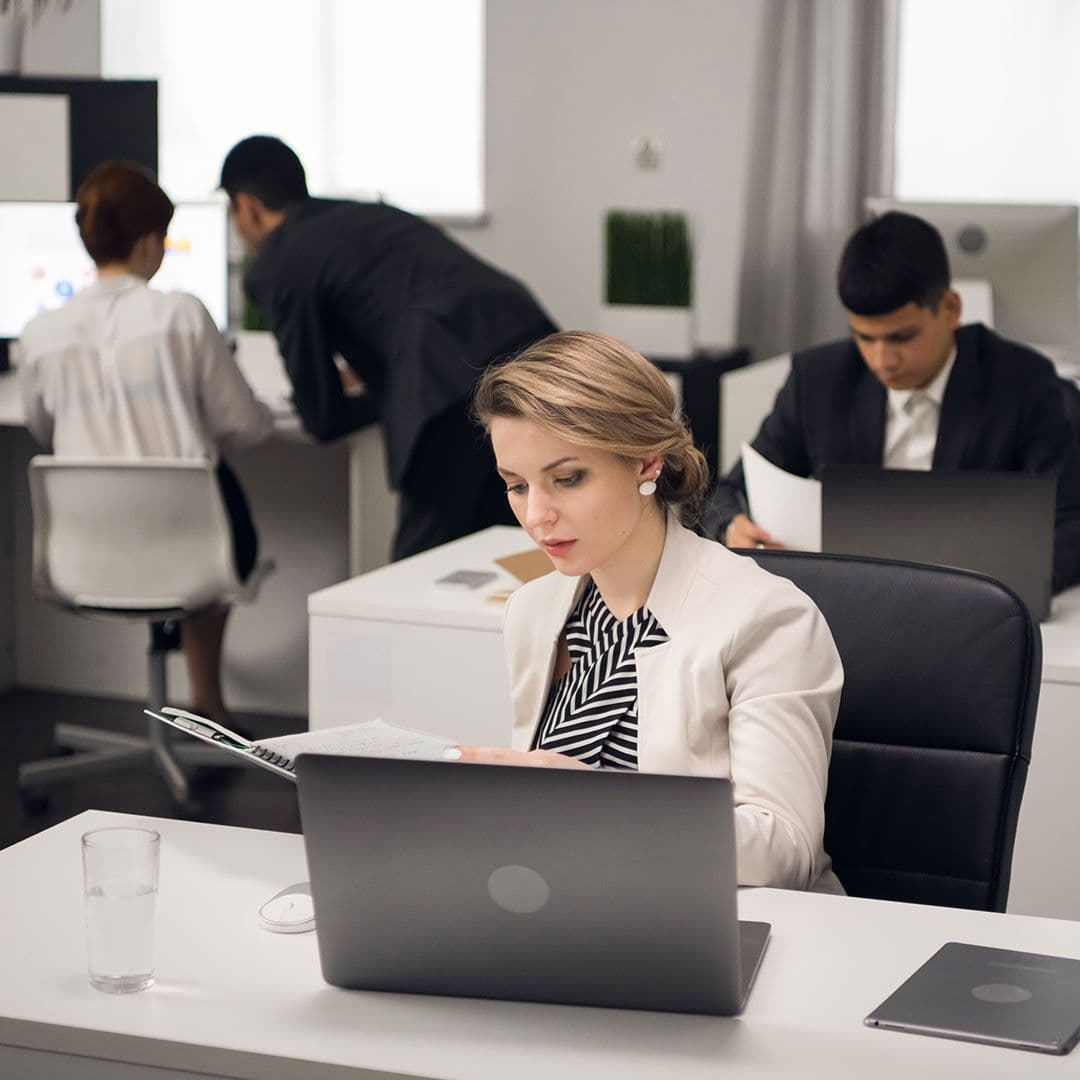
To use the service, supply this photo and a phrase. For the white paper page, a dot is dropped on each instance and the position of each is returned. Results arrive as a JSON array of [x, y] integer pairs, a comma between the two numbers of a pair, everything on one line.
[[373, 739], [787, 506]]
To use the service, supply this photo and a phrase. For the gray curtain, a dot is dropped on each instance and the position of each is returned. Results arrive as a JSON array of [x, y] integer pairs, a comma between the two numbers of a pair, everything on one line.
[[824, 138]]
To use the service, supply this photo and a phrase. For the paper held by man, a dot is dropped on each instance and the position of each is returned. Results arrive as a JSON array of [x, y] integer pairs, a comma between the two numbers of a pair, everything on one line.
[[788, 507]]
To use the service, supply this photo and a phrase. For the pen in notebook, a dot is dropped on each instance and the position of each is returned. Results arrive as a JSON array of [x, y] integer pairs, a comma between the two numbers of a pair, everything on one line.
[[206, 722], [201, 725]]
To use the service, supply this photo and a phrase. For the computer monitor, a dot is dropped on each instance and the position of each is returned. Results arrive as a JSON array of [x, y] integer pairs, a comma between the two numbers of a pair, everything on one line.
[[1030, 255], [43, 262]]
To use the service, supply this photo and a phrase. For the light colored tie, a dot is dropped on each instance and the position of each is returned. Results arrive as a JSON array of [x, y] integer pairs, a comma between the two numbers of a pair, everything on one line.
[[916, 403], [912, 437]]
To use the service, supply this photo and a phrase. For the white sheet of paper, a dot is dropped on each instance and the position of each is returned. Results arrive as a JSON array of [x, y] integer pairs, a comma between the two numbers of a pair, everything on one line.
[[373, 739], [787, 506]]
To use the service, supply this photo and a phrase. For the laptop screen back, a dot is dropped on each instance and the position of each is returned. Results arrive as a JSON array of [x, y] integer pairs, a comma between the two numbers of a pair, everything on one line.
[[997, 523], [593, 888]]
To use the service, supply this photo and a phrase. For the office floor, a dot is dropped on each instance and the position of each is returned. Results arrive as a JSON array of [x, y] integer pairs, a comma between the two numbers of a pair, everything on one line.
[[245, 796]]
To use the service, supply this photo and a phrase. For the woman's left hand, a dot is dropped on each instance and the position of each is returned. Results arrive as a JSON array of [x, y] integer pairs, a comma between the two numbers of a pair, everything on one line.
[[498, 755]]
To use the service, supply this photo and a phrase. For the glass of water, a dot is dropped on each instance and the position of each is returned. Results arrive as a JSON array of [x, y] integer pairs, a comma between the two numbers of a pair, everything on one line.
[[120, 883]]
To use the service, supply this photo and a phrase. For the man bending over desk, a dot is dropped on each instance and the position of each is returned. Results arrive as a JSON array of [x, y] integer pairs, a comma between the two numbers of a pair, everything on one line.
[[415, 317], [912, 389]]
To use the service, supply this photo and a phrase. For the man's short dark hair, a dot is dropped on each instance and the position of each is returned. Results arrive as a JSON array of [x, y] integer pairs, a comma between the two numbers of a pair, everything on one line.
[[894, 260], [265, 167]]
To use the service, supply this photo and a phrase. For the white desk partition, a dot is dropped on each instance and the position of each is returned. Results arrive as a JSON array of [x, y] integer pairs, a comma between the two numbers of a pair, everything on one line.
[[1046, 862], [395, 644], [372, 506], [748, 396], [234, 1000]]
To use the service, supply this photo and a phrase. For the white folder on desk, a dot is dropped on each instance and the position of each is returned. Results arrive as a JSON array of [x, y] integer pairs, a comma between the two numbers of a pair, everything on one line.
[[786, 506]]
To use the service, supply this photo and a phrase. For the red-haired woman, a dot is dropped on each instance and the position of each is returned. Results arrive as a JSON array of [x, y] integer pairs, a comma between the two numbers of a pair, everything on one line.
[[125, 371]]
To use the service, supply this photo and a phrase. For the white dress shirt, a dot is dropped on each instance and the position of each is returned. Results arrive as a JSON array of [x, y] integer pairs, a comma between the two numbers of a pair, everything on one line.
[[912, 420], [123, 370]]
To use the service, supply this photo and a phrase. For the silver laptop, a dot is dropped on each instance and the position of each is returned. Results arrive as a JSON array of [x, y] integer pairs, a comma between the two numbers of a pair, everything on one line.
[[554, 885], [998, 523], [972, 992]]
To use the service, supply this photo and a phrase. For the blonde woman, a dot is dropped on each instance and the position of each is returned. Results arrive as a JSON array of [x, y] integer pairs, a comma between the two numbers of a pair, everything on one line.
[[653, 648]]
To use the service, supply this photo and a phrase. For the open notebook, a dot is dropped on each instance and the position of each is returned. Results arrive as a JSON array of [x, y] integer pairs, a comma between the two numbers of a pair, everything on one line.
[[374, 738]]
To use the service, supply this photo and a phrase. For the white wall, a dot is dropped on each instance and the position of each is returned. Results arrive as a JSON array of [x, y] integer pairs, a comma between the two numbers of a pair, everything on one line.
[[64, 42], [7, 565], [570, 84]]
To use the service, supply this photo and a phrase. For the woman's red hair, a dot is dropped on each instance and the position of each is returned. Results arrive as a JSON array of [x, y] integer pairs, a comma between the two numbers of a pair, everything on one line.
[[118, 204]]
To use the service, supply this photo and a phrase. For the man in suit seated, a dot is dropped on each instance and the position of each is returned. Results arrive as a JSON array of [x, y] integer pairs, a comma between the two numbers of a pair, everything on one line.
[[912, 389]]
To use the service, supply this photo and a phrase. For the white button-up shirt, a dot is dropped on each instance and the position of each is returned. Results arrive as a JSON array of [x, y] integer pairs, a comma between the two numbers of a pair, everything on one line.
[[123, 370], [912, 420]]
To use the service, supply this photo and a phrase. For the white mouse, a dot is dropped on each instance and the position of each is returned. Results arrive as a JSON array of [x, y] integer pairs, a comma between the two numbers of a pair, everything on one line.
[[289, 911]]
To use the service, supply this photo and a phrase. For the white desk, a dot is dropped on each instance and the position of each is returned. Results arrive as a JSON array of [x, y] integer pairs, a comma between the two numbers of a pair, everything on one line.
[[1046, 862], [322, 512], [234, 1000], [394, 644]]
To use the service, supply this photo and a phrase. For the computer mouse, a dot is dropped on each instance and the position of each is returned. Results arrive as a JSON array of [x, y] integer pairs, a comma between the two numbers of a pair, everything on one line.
[[290, 911]]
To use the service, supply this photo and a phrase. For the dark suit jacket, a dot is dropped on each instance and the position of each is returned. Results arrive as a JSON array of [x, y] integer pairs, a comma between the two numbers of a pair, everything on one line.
[[1003, 408], [414, 314]]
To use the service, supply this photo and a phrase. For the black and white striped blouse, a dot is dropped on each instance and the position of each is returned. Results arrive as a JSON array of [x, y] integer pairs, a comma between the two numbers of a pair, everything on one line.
[[591, 712]]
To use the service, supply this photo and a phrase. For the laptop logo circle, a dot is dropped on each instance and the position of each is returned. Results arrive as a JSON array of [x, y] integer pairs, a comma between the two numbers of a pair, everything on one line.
[[518, 889], [1001, 993]]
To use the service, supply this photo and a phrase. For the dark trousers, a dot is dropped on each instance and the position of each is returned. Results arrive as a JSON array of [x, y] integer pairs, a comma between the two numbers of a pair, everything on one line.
[[245, 539], [450, 488]]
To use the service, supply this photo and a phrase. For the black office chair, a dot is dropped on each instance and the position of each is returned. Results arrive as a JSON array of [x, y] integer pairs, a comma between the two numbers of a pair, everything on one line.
[[933, 738], [1070, 395]]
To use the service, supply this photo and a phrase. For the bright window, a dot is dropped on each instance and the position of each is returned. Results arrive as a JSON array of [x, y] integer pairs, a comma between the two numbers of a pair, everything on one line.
[[378, 99], [986, 101]]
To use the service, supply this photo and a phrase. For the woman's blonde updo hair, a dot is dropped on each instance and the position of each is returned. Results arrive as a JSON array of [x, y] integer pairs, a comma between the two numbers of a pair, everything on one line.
[[593, 391]]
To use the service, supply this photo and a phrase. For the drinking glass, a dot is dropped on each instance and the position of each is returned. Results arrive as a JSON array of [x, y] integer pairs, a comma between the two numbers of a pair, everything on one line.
[[120, 883]]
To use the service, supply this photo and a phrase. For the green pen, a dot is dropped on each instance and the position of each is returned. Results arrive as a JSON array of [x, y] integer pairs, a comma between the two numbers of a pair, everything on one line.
[[204, 726]]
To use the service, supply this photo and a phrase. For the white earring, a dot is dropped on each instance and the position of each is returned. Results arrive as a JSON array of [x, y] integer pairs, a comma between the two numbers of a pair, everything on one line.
[[648, 487]]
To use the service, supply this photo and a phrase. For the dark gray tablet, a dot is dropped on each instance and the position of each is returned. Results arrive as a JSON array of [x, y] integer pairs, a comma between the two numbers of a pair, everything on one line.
[[972, 992], [496, 881]]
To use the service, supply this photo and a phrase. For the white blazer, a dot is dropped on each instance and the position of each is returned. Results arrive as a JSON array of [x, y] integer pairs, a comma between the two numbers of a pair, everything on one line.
[[746, 687]]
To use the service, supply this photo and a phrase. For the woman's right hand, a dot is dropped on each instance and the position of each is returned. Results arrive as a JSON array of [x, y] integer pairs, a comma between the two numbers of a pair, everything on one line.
[[498, 755]]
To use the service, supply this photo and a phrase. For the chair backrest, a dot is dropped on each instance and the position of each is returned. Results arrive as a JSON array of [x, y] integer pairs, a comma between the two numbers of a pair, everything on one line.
[[1070, 394], [147, 535], [933, 737]]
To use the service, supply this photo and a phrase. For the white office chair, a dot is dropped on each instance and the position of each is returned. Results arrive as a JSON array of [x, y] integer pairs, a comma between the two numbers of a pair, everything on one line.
[[144, 540]]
